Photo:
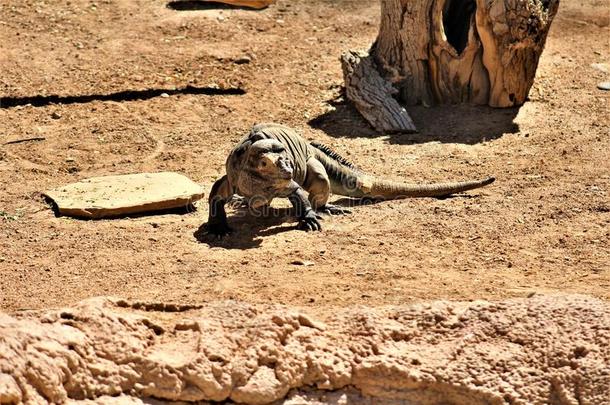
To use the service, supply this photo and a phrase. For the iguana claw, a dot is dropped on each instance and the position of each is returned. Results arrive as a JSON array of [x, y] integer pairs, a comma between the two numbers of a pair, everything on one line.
[[333, 210], [310, 222]]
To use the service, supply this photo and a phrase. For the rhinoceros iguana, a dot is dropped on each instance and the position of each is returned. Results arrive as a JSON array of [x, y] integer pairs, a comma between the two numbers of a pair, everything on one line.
[[275, 161]]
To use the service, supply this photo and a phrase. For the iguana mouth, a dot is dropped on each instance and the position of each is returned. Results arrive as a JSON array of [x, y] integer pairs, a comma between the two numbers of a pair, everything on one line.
[[285, 168]]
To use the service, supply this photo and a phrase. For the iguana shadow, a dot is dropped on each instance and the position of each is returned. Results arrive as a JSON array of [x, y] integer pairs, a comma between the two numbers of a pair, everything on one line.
[[348, 202], [249, 229]]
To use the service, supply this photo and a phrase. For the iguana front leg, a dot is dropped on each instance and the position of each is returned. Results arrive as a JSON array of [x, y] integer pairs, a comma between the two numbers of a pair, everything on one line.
[[308, 219], [217, 219]]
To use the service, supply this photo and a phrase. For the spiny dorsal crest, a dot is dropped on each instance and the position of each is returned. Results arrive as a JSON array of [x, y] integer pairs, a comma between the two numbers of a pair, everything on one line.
[[333, 155]]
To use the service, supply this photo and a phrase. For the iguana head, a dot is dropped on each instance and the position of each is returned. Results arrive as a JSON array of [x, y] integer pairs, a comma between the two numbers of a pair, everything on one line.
[[265, 170], [269, 160]]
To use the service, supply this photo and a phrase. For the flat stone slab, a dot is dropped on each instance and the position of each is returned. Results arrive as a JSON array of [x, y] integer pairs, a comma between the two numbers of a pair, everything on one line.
[[113, 196]]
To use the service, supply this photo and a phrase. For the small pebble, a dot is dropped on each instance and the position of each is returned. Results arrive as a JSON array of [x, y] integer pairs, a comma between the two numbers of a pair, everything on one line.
[[56, 115], [243, 60], [299, 262], [604, 86], [602, 67], [164, 95]]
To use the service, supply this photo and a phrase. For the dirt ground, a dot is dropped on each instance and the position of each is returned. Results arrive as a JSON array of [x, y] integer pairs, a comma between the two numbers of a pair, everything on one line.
[[544, 226]]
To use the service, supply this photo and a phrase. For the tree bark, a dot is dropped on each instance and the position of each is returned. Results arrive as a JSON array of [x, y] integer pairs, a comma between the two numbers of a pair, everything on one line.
[[453, 51], [461, 51], [372, 95]]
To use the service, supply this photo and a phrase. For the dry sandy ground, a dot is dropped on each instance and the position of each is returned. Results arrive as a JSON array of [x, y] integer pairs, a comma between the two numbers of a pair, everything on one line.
[[542, 227]]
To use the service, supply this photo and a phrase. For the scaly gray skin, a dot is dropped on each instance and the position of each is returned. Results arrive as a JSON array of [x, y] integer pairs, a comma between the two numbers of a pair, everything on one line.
[[274, 161]]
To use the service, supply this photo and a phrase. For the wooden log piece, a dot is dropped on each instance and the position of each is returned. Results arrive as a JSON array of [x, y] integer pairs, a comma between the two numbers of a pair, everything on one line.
[[372, 95]]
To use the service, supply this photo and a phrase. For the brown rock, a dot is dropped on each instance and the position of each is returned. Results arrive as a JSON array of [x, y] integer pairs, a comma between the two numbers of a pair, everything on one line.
[[541, 350], [112, 196]]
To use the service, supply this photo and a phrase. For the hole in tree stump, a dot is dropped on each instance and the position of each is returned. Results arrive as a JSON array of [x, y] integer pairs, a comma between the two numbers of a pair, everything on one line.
[[457, 17]]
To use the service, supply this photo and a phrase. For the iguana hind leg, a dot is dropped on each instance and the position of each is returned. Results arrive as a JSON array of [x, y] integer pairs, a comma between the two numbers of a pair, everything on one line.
[[317, 185]]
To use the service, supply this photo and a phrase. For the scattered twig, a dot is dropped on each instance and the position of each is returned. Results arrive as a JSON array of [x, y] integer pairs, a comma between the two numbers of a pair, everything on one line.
[[35, 139]]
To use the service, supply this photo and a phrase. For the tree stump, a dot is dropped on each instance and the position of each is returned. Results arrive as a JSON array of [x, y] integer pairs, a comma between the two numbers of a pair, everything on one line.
[[459, 51]]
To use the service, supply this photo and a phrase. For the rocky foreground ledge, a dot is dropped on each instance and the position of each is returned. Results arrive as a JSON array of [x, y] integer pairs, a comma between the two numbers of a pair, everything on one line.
[[539, 350]]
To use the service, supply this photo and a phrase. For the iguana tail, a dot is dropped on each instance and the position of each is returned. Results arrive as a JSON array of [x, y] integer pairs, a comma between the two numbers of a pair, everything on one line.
[[348, 181]]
